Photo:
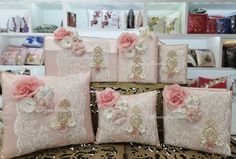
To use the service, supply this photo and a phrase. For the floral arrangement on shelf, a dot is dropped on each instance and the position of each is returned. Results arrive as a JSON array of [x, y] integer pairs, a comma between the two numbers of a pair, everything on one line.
[[70, 40]]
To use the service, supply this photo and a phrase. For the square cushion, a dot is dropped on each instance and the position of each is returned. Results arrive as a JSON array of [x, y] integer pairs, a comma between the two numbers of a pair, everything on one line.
[[35, 56], [127, 118], [45, 113], [173, 64], [198, 118]]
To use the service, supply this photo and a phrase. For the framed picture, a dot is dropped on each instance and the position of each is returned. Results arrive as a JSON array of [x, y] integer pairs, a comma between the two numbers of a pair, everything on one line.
[[71, 19]]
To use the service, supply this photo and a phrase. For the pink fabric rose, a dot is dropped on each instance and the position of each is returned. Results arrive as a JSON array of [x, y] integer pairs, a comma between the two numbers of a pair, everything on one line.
[[44, 98], [174, 95], [193, 115], [78, 48], [26, 87], [60, 33], [127, 41], [108, 97], [119, 117]]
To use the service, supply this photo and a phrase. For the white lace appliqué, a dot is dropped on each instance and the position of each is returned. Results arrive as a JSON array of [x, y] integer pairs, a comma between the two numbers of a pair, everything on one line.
[[33, 135]]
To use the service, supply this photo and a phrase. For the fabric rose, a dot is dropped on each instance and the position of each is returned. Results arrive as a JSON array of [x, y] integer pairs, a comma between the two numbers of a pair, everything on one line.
[[60, 33], [108, 97], [44, 98], [67, 42], [174, 95], [26, 87], [130, 53], [141, 47], [27, 105], [119, 117], [193, 115], [77, 48], [122, 105], [127, 41]]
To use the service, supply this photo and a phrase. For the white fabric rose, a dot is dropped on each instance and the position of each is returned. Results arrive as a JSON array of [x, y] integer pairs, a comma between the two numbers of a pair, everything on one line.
[[27, 105], [141, 47], [44, 98], [122, 105], [67, 42], [108, 113], [130, 53]]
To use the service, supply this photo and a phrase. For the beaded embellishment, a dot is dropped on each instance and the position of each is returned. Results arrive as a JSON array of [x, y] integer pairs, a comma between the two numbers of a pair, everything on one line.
[[137, 126], [64, 118], [171, 64], [136, 73], [209, 135], [98, 59]]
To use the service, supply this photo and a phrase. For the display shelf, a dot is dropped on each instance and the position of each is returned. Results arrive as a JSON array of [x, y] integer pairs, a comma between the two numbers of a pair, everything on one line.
[[34, 70], [212, 68], [52, 12], [81, 9], [213, 8], [46, 12], [24, 34], [169, 10], [210, 73], [15, 9], [199, 42]]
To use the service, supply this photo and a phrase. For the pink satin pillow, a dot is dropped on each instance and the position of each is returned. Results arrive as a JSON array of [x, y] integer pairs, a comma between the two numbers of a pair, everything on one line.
[[127, 118], [198, 118], [45, 113]]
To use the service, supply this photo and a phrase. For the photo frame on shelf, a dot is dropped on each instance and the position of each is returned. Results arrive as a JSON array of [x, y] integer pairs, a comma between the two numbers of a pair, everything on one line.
[[71, 19]]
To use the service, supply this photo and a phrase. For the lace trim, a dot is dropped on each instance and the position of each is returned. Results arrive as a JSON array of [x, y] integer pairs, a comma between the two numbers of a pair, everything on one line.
[[30, 138], [69, 63], [31, 135], [181, 133]]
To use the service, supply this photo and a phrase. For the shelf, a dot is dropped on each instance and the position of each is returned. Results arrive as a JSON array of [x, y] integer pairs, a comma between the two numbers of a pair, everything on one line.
[[211, 69], [21, 66], [194, 73], [119, 31], [34, 70], [12, 34]]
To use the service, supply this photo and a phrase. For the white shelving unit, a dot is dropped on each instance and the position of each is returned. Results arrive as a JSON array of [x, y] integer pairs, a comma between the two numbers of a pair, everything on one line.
[[46, 12], [55, 12]]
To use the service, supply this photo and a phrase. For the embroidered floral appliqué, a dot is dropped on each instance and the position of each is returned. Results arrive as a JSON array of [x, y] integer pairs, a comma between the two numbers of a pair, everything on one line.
[[44, 98], [118, 113], [136, 53], [98, 62], [134, 48], [64, 118], [137, 126], [171, 64], [190, 111], [40, 98], [185, 106], [70, 40], [209, 135]]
